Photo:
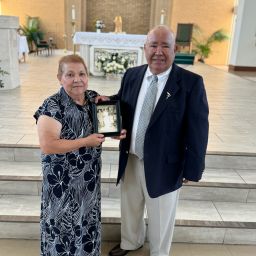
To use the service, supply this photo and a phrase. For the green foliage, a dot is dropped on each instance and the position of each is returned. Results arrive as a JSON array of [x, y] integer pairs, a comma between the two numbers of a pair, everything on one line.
[[202, 46], [32, 26], [32, 22]]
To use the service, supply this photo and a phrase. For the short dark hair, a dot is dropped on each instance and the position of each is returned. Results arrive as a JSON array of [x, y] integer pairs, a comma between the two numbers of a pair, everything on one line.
[[73, 58]]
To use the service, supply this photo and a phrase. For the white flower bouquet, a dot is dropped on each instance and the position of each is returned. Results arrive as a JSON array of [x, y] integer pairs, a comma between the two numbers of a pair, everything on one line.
[[99, 24], [112, 63]]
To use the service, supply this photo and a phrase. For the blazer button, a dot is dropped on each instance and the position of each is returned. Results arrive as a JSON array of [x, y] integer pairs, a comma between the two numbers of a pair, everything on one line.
[[127, 152]]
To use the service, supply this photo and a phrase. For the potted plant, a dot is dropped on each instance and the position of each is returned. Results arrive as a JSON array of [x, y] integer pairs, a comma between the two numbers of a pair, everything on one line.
[[202, 46], [32, 26]]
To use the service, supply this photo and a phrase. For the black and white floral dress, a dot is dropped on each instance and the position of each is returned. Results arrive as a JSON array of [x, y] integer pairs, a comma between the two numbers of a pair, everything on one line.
[[70, 206]]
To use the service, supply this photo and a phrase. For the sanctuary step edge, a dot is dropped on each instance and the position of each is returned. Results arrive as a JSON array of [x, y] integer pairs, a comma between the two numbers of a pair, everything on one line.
[[217, 184], [196, 221], [228, 188], [230, 178]]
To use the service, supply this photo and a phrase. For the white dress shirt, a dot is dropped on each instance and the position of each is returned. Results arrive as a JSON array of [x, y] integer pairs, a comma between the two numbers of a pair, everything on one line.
[[162, 78]]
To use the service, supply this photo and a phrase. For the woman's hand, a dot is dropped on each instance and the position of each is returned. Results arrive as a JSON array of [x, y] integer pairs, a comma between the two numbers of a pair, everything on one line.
[[94, 140], [121, 136], [101, 98]]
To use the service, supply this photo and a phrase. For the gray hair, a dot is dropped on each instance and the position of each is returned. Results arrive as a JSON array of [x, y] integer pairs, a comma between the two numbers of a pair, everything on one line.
[[163, 28]]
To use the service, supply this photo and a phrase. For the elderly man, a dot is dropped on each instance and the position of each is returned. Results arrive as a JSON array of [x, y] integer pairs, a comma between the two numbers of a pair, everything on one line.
[[165, 113]]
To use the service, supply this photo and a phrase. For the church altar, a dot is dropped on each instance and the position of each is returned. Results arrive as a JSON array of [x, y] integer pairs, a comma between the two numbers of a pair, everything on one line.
[[94, 44]]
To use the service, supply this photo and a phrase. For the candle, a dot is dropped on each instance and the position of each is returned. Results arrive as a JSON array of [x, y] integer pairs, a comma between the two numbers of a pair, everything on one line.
[[73, 13], [162, 17]]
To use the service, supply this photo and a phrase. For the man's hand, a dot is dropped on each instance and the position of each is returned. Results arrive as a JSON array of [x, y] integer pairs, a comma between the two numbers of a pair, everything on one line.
[[101, 98], [121, 136]]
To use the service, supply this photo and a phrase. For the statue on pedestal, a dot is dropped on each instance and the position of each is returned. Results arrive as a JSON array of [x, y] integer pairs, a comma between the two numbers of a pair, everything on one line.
[[118, 24]]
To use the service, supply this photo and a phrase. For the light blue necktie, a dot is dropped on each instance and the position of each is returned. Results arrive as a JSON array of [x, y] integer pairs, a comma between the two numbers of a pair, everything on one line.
[[145, 115]]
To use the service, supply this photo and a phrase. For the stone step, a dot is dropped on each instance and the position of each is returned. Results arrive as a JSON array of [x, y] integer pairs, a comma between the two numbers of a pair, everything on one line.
[[196, 221], [21, 247], [218, 160], [29, 153], [226, 164], [230, 185]]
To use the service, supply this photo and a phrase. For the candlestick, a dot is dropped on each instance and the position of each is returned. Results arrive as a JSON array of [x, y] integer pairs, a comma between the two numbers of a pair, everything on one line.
[[73, 23], [65, 42]]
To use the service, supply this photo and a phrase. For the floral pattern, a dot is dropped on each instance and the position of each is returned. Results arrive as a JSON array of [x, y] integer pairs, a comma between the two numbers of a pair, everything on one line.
[[70, 205]]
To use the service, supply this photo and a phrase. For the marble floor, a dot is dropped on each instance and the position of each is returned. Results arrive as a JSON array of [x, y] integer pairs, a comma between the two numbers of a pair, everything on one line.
[[249, 75], [31, 248], [232, 130], [231, 100]]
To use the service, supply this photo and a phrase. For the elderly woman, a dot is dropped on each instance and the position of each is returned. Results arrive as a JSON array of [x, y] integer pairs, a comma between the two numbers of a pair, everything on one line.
[[70, 207]]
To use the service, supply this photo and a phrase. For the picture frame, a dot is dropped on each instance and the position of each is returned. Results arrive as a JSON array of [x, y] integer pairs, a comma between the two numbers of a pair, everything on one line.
[[107, 118]]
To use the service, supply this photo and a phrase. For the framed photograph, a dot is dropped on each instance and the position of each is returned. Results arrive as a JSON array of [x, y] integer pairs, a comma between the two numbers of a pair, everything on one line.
[[107, 118]]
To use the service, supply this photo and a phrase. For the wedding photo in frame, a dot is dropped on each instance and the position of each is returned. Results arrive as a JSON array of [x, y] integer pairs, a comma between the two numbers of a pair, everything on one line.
[[107, 118]]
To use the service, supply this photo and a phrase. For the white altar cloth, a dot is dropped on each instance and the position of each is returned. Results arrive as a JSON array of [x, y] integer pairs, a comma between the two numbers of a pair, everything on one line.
[[109, 39]]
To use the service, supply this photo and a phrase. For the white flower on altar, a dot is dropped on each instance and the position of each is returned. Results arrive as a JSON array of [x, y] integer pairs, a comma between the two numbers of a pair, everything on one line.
[[112, 62], [99, 24]]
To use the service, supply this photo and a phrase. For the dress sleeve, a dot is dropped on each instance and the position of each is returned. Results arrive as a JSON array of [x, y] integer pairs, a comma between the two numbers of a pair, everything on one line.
[[91, 95], [51, 108]]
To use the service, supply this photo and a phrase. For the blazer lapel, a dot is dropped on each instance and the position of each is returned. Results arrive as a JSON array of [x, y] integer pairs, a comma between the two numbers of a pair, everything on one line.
[[137, 82], [168, 93]]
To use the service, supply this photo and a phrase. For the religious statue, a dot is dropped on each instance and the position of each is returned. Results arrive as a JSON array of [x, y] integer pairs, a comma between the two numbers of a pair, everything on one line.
[[118, 24]]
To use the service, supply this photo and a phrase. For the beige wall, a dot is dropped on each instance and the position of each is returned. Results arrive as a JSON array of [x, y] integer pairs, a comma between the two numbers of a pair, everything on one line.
[[210, 15], [137, 15], [51, 14]]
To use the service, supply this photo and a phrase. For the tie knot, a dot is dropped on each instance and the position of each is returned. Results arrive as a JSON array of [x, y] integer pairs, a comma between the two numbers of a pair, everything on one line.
[[154, 79]]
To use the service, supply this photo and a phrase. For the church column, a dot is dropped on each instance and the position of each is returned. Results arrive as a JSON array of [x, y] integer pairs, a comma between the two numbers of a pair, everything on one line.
[[9, 52], [160, 12], [243, 50]]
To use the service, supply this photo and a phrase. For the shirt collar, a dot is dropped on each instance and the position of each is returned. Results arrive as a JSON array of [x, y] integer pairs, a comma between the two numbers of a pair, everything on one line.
[[160, 76], [67, 100]]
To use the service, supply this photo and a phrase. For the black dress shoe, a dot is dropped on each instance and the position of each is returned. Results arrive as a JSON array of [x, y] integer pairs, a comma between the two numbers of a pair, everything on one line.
[[118, 251]]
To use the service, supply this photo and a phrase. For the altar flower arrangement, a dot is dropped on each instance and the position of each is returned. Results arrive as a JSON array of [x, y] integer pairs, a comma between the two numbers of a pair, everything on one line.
[[112, 63], [99, 24]]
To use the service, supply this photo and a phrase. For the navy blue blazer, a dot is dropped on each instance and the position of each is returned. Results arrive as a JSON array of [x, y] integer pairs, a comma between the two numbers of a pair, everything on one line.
[[176, 138]]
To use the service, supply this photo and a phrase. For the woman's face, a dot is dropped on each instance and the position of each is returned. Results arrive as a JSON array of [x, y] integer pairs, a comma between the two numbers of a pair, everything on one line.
[[74, 79]]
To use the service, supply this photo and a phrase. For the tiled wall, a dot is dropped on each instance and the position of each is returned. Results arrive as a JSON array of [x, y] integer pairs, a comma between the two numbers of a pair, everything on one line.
[[135, 14]]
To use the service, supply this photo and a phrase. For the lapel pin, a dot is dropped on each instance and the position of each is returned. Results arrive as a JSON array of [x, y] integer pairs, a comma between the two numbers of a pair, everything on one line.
[[168, 95]]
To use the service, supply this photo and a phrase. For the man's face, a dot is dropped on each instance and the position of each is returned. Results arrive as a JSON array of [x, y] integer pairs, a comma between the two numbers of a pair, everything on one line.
[[159, 50]]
